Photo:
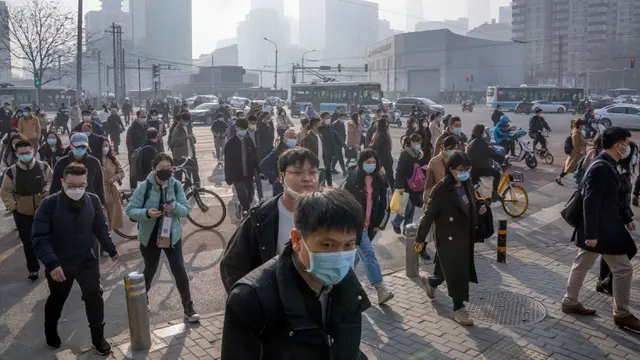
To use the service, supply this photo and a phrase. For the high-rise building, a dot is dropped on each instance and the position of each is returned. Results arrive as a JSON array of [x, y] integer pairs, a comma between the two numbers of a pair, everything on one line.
[[169, 35], [312, 24], [459, 26], [277, 5], [384, 29], [5, 53], [415, 14], [505, 15], [138, 13], [570, 39], [478, 12], [351, 27]]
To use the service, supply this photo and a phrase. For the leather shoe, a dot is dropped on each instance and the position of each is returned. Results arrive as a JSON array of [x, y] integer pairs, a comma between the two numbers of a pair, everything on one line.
[[628, 322], [577, 309]]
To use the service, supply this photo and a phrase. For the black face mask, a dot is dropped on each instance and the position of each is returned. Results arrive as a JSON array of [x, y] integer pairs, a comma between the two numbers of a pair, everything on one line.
[[164, 175]]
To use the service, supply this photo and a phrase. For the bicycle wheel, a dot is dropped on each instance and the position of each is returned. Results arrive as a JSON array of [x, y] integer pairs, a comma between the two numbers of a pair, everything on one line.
[[208, 210], [548, 158], [515, 200]]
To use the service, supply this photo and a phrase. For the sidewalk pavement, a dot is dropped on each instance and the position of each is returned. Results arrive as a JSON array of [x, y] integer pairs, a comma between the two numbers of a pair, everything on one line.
[[516, 307]]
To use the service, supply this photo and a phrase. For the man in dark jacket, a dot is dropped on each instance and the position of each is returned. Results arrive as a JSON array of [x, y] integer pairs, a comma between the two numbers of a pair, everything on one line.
[[5, 119], [331, 144], [154, 122], [95, 141], [265, 232], [288, 309], [137, 133], [79, 143], [536, 124], [114, 128], [241, 164], [604, 231], [497, 114], [87, 118], [219, 130], [62, 118], [480, 152], [64, 227], [338, 126], [126, 111]]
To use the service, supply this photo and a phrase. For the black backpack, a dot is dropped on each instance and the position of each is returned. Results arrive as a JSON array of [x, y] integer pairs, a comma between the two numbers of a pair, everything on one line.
[[568, 145], [136, 172]]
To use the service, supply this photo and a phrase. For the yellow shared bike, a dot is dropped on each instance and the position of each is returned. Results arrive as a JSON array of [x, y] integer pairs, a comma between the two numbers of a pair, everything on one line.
[[514, 198]]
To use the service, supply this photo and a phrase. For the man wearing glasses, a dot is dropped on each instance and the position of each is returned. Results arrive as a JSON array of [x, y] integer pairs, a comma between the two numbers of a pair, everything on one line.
[[79, 143], [265, 232]]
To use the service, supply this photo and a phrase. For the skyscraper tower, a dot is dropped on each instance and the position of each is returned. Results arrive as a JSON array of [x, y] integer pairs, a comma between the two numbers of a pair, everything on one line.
[[478, 12], [112, 6], [415, 14]]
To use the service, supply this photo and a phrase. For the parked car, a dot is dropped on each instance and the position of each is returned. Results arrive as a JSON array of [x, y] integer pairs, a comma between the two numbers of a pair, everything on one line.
[[623, 115], [548, 106], [405, 105], [636, 99], [204, 113], [205, 99], [239, 103], [623, 99], [275, 101]]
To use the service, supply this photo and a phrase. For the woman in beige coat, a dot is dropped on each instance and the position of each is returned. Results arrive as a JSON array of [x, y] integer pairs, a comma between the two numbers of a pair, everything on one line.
[[579, 150], [112, 173]]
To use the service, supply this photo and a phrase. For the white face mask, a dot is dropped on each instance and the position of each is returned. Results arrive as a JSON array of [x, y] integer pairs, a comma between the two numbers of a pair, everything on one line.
[[74, 194], [105, 150], [289, 190], [154, 117], [86, 118]]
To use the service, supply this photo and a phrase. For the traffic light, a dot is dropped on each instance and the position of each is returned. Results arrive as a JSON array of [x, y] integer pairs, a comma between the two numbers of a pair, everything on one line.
[[467, 77], [471, 77], [632, 63], [155, 69], [36, 81], [339, 67], [156, 85], [366, 67]]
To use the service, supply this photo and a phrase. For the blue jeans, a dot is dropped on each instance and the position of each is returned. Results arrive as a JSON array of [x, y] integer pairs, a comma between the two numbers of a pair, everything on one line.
[[407, 218], [369, 259]]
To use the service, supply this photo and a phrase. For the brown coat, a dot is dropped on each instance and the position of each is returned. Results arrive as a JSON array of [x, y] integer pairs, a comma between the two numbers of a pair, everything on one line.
[[579, 150], [29, 127], [112, 202], [436, 171], [353, 134], [25, 205]]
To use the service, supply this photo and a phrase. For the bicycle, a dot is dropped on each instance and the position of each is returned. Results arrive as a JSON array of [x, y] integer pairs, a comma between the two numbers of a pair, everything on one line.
[[195, 195], [510, 194], [543, 153]]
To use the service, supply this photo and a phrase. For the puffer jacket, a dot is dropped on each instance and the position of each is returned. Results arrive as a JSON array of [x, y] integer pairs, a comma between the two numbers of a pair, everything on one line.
[[137, 211], [29, 127], [501, 132], [25, 195]]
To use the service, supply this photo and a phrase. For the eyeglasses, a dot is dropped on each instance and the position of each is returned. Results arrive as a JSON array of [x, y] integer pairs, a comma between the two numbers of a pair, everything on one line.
[[74, 187], [300, 173]]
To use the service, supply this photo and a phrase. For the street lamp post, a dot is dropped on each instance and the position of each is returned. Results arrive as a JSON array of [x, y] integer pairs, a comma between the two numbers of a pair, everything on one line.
[[276, 71], [303, 55], [79, 53]]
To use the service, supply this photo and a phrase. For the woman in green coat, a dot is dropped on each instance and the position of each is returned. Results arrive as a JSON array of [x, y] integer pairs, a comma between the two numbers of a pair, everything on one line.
[[452, 209], [158, 198]]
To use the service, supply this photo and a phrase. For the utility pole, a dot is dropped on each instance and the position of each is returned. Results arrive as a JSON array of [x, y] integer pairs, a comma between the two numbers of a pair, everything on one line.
[[124, 82], [116, 91], [139, 85], [560, 60], [388, 76], [275, 87], [99, 76], [79, 41], [213, 78]]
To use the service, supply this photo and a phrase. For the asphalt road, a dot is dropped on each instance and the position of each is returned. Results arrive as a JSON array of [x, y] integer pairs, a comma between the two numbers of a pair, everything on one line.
[[22, 303]]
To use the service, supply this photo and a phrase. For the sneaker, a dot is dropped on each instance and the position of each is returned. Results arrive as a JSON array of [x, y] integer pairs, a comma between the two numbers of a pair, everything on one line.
[[190, 314], [335, 172], [383, 295], [605, 286], [424, 255], [104, 254], [52, 338], [462, 317], [559, 181], [98, 340], [426, 285], [238, 212], [628, 322], [397, 229], [33, 276], [634, 201]]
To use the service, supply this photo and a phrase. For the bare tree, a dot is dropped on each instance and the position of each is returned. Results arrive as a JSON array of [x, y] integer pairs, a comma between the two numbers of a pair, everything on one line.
[[40, 34]]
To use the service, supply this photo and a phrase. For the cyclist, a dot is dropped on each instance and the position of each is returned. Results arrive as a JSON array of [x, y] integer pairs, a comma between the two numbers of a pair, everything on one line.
[[480, 152], [536, 124]]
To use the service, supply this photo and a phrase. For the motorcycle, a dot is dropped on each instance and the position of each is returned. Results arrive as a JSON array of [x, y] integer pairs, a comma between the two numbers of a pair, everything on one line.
[[523, 108], [395, 116], [526, 152], [467, 107], [581, 109]]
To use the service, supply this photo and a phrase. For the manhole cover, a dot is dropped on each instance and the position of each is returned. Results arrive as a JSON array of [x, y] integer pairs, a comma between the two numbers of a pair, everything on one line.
[[505, 308]]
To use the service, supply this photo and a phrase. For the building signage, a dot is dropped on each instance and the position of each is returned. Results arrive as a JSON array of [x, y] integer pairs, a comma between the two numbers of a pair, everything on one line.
[[380, 48]]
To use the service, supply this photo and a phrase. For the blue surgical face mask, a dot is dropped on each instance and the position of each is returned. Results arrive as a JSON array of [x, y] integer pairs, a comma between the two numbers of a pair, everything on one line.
[[417, 147], [463, 176], [52, 141], [26, 158], [79, 152], [449, 152], [634, 159], [291, 142], [456, 131], [241, 133], [369, 168], [330, 268]]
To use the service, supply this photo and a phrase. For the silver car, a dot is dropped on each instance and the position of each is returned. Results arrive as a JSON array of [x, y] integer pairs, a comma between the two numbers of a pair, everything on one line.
[[624, 115]]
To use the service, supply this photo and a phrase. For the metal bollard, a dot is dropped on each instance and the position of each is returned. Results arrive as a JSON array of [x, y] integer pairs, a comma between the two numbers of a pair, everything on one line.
[[411, 257], [501, 247], [137, 310]]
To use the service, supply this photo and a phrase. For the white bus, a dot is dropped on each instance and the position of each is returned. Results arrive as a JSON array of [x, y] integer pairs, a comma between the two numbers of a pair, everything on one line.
[[509, 97]]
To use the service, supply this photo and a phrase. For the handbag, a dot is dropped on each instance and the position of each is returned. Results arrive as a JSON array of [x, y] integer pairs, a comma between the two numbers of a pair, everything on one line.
[[351, 153], [572, 210]]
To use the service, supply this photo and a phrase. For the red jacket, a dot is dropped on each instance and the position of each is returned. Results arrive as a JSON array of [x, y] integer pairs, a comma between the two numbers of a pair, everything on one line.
[[14, 122]]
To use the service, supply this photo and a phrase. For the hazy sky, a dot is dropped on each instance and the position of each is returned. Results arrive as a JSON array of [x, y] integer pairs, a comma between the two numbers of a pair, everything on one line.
[[216, 19]]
